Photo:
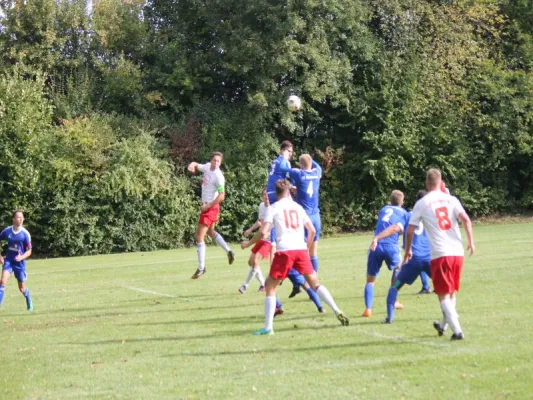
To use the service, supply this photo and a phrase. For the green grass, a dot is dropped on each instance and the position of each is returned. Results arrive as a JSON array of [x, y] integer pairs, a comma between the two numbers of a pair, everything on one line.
[[134, 326]]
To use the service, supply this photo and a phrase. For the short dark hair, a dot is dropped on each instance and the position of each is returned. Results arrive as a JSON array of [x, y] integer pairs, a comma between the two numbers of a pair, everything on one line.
[[18, 210], [282, 185], [420, 194], [285, 145], [216, 153]]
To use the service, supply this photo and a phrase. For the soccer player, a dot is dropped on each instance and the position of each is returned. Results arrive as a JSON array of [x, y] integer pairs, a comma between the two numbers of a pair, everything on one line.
[[441, 213], [418, 264], [387, 249], [259, 251], [213, 193], [289, 220], [278, 169], [18, 250], [307, 183]]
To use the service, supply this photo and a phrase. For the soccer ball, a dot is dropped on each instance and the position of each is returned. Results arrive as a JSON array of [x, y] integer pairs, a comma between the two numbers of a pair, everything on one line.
[[294, 103]]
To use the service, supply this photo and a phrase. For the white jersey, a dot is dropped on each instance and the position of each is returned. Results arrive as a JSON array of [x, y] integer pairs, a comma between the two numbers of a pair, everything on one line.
[[213, 182], [261, 214], [440, 213], [289, 219]]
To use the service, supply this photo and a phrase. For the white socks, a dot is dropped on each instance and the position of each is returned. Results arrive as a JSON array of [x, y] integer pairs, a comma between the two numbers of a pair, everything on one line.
[[325, 295], [201, 255], [249, 277], [259, 277], [221, 242], [270, 309], [451, 315]]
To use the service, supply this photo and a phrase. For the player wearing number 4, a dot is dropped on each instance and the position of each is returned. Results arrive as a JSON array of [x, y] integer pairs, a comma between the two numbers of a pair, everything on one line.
[[440, 214], [387, 249], [213, 193], [289, 220], [418, 264]]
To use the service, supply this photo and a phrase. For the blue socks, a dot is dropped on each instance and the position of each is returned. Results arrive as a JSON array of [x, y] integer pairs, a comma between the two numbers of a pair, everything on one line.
[[392, 296], [278, 303], [369, 295], [314, 262], [28, 299], [2, 290], [314, 298], [425, 280]]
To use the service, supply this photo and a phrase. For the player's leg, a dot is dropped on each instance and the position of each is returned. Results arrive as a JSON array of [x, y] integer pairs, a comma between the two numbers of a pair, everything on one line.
[[373, 266], [201, 231], [278, 271], [6, 272], [20, 274], [326, 296], [313, 296], [393, 260], [444, 271], [251, 273], [424, 277], [407, 275], [297, 280], [217, 237], [313, 250]]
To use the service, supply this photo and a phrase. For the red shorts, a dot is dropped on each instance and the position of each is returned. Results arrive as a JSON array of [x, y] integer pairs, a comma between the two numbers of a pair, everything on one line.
[[210, 216], [285, 260], [446, 274], [262, 247]]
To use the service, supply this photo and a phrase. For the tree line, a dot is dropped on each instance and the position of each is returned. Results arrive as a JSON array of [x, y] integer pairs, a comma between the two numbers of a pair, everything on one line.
[[104, 102]]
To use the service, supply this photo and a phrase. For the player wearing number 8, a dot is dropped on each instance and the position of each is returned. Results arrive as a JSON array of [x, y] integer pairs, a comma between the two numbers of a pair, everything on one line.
[[440, 214], [289, 220]]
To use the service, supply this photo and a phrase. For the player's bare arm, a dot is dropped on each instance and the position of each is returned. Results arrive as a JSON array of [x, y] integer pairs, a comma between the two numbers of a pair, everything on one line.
[[21, 257], [408, 243], [219, 199], [260, 234], [391, 230], [467, 223], [192, 167], [311, 232], [254, 227]]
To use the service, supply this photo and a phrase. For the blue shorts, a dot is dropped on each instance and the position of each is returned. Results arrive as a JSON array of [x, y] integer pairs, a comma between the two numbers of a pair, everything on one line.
[[412, 270], [317, 223], [18, 268], [390, 253]]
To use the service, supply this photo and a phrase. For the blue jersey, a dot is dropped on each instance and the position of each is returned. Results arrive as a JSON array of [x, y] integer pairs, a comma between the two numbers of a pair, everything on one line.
[[388, 216], [17, 243], [307, 187], [278, 170], [420, 245]]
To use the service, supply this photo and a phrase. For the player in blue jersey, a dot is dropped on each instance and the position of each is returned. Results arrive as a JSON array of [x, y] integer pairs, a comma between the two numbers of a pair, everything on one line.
[[387, 250], [14, 261], [418, 264], [278, 169], [306, 180]]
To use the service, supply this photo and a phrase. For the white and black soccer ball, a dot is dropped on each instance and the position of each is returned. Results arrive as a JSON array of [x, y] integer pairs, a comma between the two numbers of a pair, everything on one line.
[[294, 103]]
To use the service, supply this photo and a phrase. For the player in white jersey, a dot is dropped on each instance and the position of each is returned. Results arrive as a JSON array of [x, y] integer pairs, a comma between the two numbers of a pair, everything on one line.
[[441, 214], [259, 251], [289, 220], [213, 193]]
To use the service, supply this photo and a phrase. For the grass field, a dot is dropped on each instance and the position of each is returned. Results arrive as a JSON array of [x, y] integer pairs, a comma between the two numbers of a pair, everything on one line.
[[134, 326]]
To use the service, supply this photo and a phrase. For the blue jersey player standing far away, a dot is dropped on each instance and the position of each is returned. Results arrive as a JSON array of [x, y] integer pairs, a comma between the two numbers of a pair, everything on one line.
[[387, 250], [18, 249], [307, 183], [419, 264]]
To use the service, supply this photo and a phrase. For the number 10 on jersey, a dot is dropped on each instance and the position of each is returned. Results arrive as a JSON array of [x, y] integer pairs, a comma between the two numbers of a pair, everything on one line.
[[291, 219]]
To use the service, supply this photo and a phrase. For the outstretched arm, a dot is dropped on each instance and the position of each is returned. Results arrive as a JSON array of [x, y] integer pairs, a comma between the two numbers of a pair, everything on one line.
[[391, 230], [409, 243]]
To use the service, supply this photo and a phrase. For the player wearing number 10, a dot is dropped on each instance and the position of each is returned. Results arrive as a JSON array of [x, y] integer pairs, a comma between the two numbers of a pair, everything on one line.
[[440, 214], [387, 249], [289, 220]]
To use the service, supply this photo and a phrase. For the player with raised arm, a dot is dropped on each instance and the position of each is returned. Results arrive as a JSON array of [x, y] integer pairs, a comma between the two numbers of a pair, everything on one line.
[[213, 193], [278, 169], [441, 213], [387, 249], [306, 180], [289, 220], [418, 264], [18, 250], [259, 251]]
